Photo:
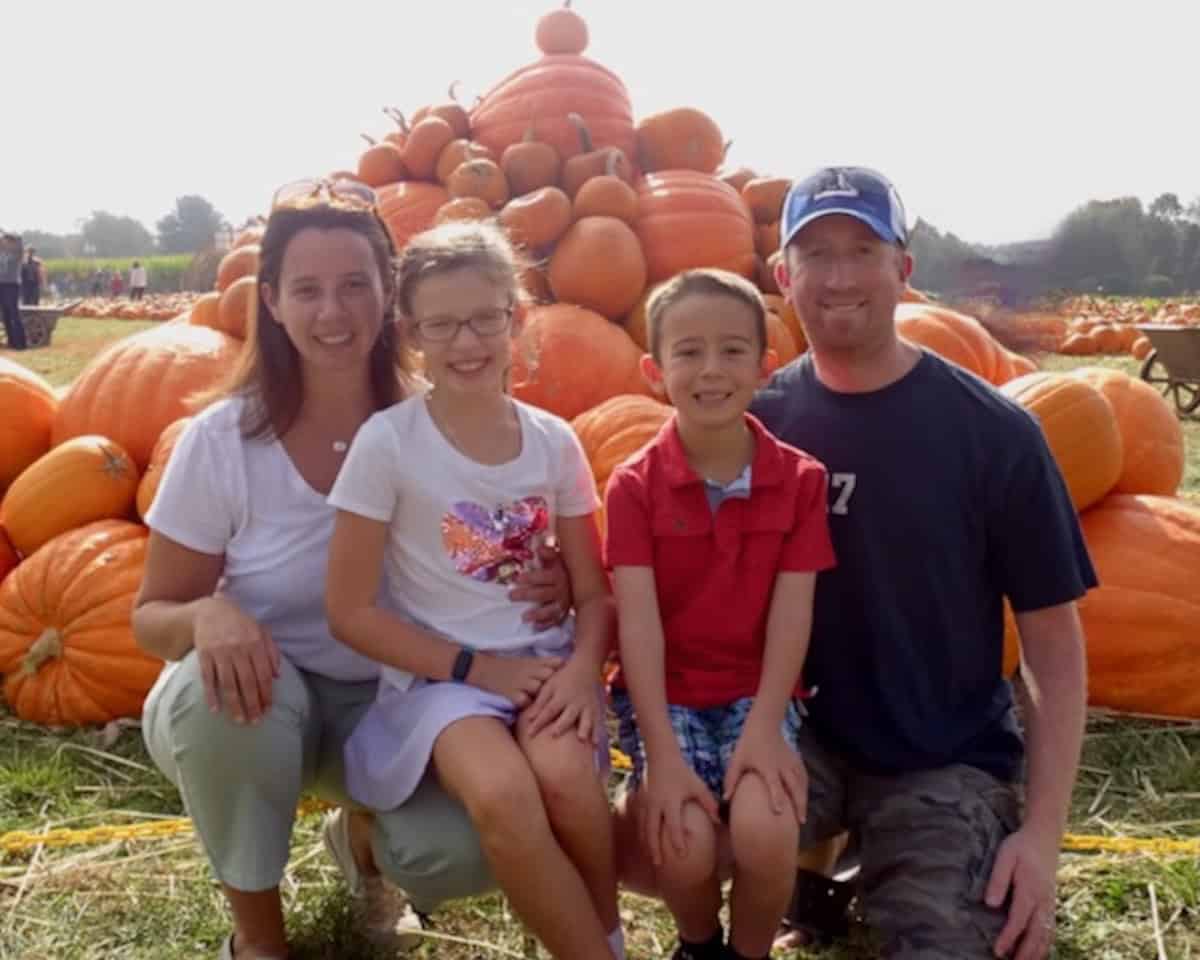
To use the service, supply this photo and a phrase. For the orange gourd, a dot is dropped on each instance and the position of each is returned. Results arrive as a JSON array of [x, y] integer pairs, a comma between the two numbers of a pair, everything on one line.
[[568, 359], [598, 264], [139, 385], [67, 650], [606, 196], [479, 178], [530, 164], [380, 163], [536, 220], [425, 143], [456, 153], [152, 476], [27, 409], [1080, 428], [681, 139], [82, 480]]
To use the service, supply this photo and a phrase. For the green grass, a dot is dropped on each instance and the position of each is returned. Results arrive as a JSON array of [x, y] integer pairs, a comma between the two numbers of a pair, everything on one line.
[[76, 340]]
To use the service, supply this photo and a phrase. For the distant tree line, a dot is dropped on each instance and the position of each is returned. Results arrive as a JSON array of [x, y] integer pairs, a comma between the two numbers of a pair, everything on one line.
[[1105, 246], [190, 227]]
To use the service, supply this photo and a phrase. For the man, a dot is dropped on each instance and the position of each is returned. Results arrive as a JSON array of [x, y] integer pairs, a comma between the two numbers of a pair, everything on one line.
[[137, 281], [10, 287], [33, 276], [943, 500]]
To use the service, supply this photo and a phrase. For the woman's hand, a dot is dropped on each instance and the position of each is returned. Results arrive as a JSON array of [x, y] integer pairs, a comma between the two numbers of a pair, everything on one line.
[[239, 660], [547, 587], [569, 699], [519, 679]]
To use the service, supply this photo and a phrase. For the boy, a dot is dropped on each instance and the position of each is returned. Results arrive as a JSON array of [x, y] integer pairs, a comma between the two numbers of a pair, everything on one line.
[[715, 534]]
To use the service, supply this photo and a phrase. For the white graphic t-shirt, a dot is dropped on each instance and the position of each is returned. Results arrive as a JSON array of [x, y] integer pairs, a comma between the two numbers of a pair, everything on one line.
[[461, 532]]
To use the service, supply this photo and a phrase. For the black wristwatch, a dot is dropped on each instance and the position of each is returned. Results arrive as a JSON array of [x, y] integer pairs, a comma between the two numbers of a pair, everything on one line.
[[462, 664]]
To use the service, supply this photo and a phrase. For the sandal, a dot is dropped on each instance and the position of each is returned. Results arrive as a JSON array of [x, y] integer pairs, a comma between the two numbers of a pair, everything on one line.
[[227, 950], [817, 913]]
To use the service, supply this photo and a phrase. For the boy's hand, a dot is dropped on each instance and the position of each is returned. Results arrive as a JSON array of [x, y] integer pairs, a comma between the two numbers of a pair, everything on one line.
[[669, 789], [517, 678], [570, 698], [763, 749]]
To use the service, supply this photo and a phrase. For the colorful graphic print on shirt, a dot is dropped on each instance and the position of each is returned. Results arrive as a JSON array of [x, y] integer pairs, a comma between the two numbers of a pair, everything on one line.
[[495, 545]]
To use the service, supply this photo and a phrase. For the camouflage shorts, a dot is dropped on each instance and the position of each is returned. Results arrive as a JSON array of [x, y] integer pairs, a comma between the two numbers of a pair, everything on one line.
[[926, 841]]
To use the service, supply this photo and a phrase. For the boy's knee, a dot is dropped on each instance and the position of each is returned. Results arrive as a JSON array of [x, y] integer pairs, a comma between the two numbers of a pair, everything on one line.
[[761, 838], [698, 859]]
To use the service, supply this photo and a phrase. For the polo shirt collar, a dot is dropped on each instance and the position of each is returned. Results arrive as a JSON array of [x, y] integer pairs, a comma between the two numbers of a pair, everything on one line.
[[766, 467]]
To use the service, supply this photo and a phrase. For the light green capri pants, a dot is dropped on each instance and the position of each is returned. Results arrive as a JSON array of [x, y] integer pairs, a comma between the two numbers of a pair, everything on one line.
[[241, 785]]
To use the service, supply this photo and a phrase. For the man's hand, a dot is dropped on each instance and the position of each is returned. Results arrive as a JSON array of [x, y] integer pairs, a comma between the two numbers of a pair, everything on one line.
[[1026, 863], [546, 587]]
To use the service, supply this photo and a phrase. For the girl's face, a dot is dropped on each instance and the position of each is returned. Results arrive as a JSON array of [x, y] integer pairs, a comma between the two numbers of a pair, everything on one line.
[[330, 298], [462, 320]]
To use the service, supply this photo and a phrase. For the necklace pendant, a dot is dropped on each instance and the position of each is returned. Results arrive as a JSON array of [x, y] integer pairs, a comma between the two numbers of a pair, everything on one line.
[[340, 446]]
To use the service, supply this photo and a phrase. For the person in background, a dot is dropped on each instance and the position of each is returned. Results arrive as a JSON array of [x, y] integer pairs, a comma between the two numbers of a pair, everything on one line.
[[33, 278], [137, 281], [117, 284], [10, 290]]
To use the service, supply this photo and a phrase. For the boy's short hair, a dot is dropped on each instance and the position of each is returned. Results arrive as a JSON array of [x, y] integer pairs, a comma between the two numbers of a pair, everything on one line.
[[707, 280]]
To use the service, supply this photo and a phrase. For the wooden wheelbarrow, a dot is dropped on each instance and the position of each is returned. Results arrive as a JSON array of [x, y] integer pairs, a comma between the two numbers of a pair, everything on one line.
[[1173, 365], [39, 322]]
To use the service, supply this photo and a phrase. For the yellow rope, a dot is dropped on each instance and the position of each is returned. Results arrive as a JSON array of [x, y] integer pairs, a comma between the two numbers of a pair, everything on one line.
[[17, 840]]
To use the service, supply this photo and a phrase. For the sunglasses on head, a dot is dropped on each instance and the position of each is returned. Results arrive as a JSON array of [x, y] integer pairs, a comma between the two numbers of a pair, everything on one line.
[[348, 194]]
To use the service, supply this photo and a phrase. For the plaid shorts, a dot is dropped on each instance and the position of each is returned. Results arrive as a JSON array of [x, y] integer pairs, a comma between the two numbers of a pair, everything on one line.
[[707, 737]]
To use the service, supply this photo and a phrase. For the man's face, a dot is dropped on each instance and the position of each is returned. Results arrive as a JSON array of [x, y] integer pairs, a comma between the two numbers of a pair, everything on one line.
[[844, 282]]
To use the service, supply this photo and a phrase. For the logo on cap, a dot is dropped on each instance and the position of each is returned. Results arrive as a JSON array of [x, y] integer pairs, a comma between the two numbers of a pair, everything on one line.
[[836, 186]]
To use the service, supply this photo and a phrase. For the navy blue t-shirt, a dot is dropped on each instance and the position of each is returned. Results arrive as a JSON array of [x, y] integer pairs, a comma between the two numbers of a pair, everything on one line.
[[943, 499]]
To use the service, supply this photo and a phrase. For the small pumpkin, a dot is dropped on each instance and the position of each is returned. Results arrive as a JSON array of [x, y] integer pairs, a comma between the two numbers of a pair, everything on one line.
[[84, 479], [382, 162], [408, 208], [27, 409], [737, 177], [205, 311], [449, 110], [458, 152], [479, 178], [780, 340], [152, 476], [592, 162], [766, 238], [768, 282], [607, 196], [536, 220], [426, 141], [67, 650], [561, 31], [530, 164], [681, 139], [1141, 348], [237, 263], [1080, 428], [237, 307], [764, 196], [599, 264], [398, 137], [462, 208]]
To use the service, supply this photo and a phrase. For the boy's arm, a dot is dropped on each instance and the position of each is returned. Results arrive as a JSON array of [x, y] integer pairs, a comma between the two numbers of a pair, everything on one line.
[[789, 625], [640, 639]]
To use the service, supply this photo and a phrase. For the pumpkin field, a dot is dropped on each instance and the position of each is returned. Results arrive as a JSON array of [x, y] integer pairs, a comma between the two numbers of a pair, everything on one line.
[[96, 856]]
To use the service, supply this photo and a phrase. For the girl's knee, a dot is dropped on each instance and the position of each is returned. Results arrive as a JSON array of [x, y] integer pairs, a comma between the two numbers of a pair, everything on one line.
[[565, 769], [760, 837], [506, 798]]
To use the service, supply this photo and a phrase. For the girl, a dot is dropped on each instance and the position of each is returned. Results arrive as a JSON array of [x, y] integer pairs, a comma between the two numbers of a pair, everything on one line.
[[446, 495]]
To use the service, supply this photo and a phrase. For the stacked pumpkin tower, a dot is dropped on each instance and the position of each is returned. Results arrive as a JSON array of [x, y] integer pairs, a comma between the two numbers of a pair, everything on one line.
[[606, 208]]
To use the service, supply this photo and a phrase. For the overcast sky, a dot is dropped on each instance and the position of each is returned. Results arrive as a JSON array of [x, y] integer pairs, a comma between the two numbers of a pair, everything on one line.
[[994, 120]]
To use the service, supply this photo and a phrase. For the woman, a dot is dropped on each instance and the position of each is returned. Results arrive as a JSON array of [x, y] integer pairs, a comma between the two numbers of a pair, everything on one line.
[[259, 698]]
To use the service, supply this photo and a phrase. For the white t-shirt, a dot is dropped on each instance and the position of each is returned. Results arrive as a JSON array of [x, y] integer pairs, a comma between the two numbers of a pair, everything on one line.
[[460, 532], [137, 276], [224, 494]]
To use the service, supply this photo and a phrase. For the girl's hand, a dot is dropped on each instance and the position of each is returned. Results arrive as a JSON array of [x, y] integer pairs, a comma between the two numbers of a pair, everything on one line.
[[547, 587], [239, 660], [519, 679], [568, 699], [764, 750]]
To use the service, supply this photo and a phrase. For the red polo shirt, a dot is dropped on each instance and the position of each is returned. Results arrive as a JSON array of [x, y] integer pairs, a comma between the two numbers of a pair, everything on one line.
[[715, 572]]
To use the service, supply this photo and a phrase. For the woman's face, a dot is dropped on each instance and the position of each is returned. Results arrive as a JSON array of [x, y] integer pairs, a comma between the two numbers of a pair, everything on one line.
[[330, 298]]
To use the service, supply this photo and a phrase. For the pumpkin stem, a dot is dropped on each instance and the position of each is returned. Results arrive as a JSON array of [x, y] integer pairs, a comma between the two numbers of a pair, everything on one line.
[[453, 89], [585, 136], [610, 163], [48, 646], [371, 140], [115, 464], [725, 150], [398, 117]]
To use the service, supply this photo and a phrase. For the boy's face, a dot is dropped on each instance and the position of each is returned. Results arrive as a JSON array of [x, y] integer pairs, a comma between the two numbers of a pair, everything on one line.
[[710, 358]]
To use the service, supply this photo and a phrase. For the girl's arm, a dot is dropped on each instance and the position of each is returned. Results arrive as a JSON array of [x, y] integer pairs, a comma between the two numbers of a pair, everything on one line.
[[594, 608]]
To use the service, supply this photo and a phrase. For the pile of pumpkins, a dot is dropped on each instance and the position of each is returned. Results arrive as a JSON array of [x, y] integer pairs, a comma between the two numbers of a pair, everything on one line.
[[1086, 326], [607, 209], [153, 306]]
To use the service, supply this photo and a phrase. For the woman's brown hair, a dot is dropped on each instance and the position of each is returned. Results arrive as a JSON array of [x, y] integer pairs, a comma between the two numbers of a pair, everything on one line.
[[268, 373]]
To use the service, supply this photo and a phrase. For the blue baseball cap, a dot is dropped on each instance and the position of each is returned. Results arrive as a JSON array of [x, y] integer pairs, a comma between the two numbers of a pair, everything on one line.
[[855, 191]]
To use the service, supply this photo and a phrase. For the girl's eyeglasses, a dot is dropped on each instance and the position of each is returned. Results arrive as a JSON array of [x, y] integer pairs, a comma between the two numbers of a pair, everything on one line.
[[349, 194], [485, 323]]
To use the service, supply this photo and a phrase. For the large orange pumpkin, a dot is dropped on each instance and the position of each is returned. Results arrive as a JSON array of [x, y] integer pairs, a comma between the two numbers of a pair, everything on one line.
[[66, 647], [616, 429], [548, 90], [1151, 435], [27, 408], [1080, 428], [568, 359], [1142, 623], [138, 385], [238, 262], [82, 480], [9, 558], [681, 139], [409, 207], [152, 477], [598, 264], [960, 339], [688, 219]]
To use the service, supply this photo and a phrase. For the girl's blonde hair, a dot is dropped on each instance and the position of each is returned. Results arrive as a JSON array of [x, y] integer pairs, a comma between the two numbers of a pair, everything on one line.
[[458, 245]]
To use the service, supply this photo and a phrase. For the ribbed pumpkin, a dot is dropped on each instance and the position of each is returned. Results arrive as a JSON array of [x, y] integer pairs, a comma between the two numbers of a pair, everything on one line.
[[82, 480], [152, 477], [27, 408], [681, 139], [1143, 622], [616, 429], [238, 262], [138, 385], [409, 207], [66, 648], [9, 557], [568, 359], [549, 89], [960, 339], [1151, 435], [206, 311], [598, 264], [688, 219], [1080, 428], [237, 307]]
